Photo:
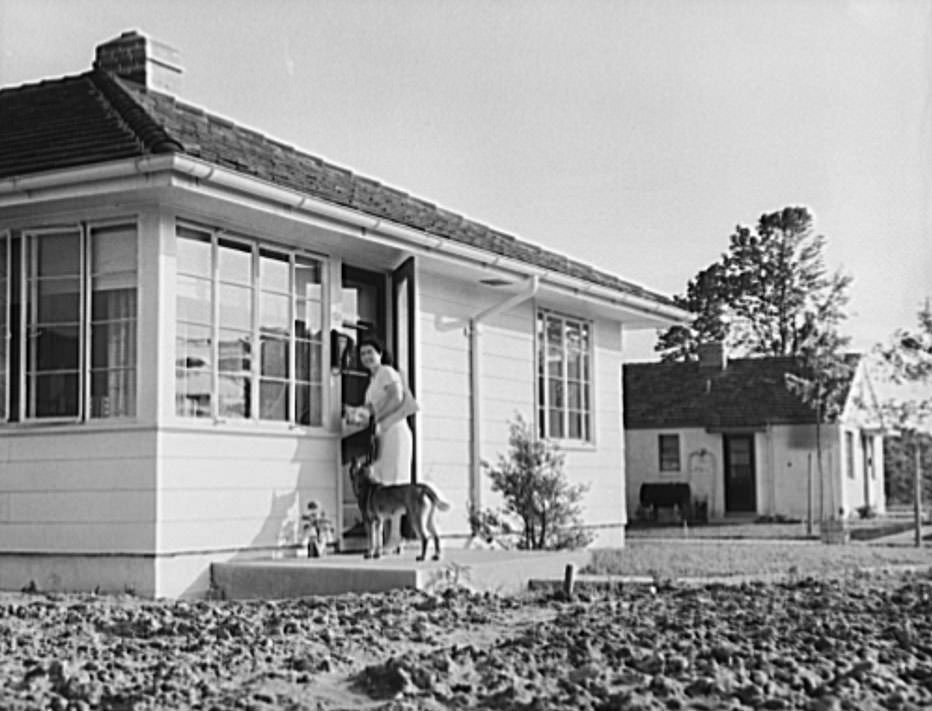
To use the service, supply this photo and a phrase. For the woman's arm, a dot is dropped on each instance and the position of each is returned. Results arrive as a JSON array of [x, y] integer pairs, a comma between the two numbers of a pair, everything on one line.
[[388, 398]]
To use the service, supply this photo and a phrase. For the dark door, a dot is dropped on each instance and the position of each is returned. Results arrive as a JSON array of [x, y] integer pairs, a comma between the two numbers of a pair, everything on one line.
[[740, 494], [403, 318], [363, 308], [867, 456]]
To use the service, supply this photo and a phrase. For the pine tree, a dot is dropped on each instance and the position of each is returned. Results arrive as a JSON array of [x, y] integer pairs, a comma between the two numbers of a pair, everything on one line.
[[767, 295]]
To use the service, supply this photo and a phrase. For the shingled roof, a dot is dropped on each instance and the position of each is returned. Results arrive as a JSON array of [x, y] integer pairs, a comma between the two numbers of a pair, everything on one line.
[[98, 116], [748, 392]]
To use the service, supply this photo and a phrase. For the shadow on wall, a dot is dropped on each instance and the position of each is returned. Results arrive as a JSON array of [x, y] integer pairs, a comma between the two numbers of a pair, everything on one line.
[[280, 527]]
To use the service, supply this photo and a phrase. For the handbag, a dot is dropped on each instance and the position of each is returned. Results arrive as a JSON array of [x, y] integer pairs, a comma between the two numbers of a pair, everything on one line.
[[359, 444], [374, 443]]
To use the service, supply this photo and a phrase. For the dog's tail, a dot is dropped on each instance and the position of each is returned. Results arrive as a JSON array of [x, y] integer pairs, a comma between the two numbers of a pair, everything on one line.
[[435, 498]]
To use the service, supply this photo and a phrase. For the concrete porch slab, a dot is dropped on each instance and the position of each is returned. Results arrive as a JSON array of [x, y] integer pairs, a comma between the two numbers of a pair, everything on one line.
[[499, 571]]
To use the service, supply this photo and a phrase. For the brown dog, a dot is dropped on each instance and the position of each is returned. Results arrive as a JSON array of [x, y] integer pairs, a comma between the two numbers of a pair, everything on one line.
[[378, 502]]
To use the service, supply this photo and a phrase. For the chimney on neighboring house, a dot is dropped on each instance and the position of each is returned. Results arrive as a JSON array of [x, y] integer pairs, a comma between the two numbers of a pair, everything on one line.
[[142, 60], [712, 356]]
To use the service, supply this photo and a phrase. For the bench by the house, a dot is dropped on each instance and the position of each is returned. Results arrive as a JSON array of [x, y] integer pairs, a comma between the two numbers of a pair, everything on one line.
[[662, 495]]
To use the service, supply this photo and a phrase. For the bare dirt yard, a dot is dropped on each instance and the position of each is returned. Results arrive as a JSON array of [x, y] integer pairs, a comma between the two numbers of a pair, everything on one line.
[[859, 641]]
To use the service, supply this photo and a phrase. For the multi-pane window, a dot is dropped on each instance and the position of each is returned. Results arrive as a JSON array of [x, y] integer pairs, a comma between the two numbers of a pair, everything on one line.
[[113, 321], [307, 293], [669, 448], [5, 240], [53, 305], [249, 334], [564, 366], [68, 312]]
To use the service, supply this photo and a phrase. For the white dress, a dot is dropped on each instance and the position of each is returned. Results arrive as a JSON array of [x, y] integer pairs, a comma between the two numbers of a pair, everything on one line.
[[393, 465]]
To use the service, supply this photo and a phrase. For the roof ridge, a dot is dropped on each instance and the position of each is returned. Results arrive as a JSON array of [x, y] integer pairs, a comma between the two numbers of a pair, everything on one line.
[[500, 239], [149, 132], [42, 83]]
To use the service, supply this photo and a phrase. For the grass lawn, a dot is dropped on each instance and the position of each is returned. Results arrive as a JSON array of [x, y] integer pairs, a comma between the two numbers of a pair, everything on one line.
[[697, 558], [860, 530]]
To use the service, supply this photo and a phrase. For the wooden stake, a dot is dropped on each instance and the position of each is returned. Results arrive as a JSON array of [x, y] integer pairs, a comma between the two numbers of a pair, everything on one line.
[[569, 580]]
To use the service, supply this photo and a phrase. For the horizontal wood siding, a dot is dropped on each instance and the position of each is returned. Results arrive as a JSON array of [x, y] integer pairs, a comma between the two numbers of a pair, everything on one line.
[[507, 385], [223, 490], [78, 490], [443, 391], [601, 466]]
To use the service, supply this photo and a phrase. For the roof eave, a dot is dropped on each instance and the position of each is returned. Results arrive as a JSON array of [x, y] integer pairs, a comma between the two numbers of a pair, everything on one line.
[[86, 181]]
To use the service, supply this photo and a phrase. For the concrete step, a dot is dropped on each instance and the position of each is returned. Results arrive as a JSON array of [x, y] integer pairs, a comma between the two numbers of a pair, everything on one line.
[[500, 571]]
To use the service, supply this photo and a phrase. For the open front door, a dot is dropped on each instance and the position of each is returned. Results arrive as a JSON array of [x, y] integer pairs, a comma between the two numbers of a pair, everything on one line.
[[363, 308], [404, 318]]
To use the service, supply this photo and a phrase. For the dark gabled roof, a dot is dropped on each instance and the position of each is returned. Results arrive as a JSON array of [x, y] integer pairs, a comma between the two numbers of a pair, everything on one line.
[[749, 392], [60, 124], [96, 117]]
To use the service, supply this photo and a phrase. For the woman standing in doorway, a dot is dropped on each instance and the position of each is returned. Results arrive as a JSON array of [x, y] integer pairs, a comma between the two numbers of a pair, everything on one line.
[[384, 398]]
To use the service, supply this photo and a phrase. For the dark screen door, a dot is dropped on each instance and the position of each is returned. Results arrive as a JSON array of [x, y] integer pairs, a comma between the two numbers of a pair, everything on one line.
[[867, 457], [363, 315], [363, 308], [740, 495]]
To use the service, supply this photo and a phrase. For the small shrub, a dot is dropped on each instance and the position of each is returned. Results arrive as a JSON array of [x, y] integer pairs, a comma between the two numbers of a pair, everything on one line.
[[453, 577], [866, 511], [488, 524], [534, 486]]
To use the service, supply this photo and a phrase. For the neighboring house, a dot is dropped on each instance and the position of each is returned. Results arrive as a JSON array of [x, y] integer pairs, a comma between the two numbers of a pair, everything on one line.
[[743, 443], [181, 296]]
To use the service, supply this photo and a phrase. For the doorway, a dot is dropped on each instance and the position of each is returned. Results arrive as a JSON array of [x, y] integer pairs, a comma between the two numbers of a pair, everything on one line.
[[867, 458], [364, 316], [740, 489], [404, 317], [368, 307]]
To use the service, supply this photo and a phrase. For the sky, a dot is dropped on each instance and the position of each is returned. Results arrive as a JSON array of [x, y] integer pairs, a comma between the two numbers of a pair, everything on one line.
[[633, 135]]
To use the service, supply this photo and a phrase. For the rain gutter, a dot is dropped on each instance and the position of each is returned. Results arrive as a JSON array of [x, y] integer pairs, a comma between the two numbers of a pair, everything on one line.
[[105, 177]]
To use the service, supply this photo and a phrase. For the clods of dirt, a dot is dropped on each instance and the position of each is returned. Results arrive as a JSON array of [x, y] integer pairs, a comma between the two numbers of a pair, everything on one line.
[[821, 645]]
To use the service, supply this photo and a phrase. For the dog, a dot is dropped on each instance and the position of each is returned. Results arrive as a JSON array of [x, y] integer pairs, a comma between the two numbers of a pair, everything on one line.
[[378, 502]]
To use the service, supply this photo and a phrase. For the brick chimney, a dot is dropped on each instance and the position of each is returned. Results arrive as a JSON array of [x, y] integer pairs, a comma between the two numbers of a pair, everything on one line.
[[712, 356], [142, 60]]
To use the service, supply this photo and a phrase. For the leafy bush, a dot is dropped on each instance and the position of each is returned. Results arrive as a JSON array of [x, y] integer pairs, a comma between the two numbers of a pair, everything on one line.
[[534, 487], [489, 524]]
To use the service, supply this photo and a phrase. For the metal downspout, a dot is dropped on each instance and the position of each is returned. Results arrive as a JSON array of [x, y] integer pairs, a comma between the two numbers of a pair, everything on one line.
[[475, 400]]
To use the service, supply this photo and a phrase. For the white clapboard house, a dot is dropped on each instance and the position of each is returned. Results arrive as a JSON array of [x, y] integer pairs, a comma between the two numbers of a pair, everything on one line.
[[180, 299], [730, 431]]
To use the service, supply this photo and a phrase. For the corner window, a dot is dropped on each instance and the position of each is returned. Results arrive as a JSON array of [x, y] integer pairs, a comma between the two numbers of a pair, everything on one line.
[[68, 307], [248, 330], [564, 377], [669, 448]]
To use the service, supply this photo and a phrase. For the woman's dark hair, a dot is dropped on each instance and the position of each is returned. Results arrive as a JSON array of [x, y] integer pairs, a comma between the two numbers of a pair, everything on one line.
[[379, 347]]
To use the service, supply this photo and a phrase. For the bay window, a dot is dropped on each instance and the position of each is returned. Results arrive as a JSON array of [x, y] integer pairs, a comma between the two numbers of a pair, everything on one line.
[[68, 315], [564, 367], [248, 330]]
